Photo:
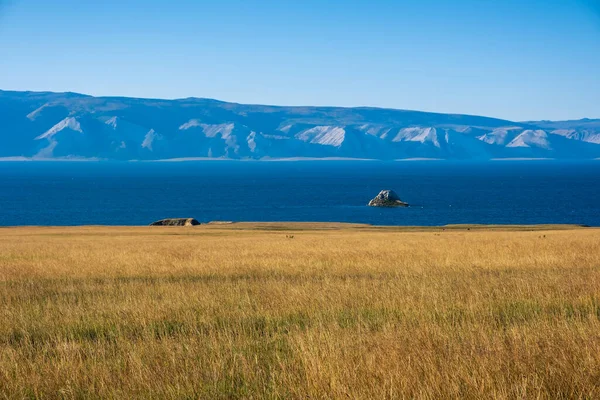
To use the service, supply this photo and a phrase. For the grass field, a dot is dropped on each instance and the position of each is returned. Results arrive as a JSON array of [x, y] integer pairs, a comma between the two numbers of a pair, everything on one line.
[[336, 311]]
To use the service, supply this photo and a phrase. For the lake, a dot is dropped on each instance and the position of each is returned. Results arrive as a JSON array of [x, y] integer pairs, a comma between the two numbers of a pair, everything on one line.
[[439, 192]]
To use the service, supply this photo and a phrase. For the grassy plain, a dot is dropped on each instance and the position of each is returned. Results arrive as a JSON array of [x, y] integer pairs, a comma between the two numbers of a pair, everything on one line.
[[337, 311]]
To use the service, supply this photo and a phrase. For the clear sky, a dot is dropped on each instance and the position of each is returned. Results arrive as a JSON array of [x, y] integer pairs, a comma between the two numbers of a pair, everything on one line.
[[514, 59]]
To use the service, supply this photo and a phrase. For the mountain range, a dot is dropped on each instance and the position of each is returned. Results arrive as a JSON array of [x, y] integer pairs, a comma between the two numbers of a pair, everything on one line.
[[45, 125]]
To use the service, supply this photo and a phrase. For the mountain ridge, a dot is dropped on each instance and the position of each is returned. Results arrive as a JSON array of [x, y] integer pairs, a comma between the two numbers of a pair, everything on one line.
[[57, 125]]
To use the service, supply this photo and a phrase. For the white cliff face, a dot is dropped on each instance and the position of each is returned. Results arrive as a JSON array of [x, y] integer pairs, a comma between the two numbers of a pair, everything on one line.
[[192, 123], [531, 138], [224, 130], [112, 122], [324, 135], [67, 123], [416, 134], [209, 130], [379, 131], [583, 135], [36, 113], [286, 128], [251, 139], [500, 136], [149, 139]]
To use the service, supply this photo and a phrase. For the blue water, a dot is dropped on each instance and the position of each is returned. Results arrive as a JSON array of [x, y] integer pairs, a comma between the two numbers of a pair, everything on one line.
[[500, 192]]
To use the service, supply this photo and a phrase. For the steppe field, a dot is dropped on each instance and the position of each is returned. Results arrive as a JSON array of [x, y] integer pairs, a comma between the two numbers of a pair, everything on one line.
[[299, 311]]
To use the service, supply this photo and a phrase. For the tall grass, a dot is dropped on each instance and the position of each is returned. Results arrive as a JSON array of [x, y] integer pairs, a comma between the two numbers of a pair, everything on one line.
[[344, 313]]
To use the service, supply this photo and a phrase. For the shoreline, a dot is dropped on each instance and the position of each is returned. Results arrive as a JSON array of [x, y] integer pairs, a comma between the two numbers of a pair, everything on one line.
[[318, 226]]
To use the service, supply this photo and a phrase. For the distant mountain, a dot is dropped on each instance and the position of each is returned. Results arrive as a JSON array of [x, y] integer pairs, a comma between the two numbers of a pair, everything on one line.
[[56, 125]]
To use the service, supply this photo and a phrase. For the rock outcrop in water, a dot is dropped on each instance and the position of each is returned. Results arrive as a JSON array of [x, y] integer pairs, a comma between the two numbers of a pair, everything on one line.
[[387, 198], [176, 222]]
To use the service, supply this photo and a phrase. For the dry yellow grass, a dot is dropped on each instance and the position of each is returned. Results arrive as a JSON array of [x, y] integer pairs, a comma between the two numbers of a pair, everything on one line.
[[242, 311]]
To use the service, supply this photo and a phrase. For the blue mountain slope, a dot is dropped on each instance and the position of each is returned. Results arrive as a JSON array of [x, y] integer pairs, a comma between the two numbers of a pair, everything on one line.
[[54, 125]]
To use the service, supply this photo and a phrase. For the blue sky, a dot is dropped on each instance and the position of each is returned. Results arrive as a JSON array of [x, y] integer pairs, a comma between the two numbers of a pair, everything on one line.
[[506, 58]]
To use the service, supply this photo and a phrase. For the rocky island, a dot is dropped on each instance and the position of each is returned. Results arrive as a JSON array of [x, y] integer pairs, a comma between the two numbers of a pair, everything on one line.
[[176, 222], [387, 198]]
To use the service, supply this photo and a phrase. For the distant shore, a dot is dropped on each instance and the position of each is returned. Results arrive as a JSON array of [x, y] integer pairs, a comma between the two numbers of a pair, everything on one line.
[[310, 226]]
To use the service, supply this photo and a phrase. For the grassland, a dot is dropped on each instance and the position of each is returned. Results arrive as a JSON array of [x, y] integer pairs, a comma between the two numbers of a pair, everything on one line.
[[246, 311]]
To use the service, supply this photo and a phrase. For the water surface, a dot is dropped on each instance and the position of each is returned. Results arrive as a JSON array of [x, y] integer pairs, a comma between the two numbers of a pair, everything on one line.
[[137, 193]]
